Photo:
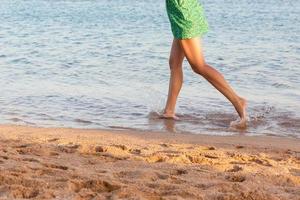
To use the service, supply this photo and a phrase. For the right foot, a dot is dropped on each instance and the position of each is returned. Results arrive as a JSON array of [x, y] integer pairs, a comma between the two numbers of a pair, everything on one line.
[[242, 122]]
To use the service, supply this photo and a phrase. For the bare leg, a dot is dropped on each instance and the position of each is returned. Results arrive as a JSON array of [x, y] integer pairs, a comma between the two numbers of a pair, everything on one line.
[[193, 52], [176, 78]]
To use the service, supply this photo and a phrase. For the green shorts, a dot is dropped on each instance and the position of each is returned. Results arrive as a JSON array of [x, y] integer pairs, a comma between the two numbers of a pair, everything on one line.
[[187, 18]]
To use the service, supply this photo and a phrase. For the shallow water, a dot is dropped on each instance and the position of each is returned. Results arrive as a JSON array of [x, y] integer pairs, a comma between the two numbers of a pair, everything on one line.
[[104, 64]]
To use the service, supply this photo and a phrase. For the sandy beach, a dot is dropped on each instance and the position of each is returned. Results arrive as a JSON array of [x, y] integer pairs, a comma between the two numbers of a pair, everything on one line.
[[63, 163], [111, 69]]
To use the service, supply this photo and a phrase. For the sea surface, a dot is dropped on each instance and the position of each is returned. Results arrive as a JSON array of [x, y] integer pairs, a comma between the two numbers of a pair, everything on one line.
[[104, 64]]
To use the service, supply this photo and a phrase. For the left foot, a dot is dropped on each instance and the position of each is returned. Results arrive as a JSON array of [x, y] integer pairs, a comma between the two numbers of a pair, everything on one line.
[[169, 116]]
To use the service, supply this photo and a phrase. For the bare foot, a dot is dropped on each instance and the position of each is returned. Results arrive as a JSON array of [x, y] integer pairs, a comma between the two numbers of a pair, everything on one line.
[[242, 122], [169, 116]]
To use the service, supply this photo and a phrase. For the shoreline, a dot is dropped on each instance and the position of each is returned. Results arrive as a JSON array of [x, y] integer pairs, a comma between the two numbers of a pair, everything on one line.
[[204, 139], [49, 163]]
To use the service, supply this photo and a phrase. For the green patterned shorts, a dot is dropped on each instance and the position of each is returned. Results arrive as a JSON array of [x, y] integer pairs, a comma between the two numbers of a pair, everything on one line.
[[187, 18]]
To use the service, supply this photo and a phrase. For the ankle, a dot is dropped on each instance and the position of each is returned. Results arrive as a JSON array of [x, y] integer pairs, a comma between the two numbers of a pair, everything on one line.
[[169, 112]]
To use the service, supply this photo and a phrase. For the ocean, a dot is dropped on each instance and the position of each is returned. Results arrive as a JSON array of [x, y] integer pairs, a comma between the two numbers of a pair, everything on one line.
[[104, 65]]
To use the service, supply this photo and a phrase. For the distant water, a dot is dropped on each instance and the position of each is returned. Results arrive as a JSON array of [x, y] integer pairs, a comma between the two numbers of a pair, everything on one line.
[[104, 64]]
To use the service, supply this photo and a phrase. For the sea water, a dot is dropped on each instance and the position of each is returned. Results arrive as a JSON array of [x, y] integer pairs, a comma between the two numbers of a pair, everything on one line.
[[104, 64]]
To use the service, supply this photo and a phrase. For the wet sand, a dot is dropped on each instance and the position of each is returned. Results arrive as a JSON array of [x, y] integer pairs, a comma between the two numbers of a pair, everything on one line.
[[62, 163]]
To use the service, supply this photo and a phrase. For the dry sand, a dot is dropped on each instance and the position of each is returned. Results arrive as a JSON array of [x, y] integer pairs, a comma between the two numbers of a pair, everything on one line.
[[61, 163]]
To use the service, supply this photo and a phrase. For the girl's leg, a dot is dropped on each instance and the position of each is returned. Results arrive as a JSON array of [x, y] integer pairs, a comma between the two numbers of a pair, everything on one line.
[[176, 78], [193, 52]]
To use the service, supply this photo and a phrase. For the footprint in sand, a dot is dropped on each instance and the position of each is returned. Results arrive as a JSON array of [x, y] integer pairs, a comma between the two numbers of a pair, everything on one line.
[[4, 157], [235, 178], [30, 149], [114, 152], [144, 175], [97, 185], [120, 146], [23, 146], [31, 160], [4, 150], [261, 162], [235, 168], [73, 146], [101, 171], [99, 149], [21, 151], [155, 158], [69, 148], [179, 172], [162, 176], [135, 151], [55, 166], [211, 148], [91, 162], [53, 153]]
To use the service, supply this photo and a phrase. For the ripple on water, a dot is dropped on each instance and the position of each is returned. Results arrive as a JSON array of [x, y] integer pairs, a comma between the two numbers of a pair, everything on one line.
[[82, 121], [281, 85]]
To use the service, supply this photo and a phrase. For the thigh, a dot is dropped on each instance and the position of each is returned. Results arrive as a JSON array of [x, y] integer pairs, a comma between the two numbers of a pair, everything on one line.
[[176, 54], [192, 49]]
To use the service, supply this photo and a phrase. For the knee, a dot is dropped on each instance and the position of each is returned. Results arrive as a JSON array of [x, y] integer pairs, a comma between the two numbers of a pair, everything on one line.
[[199, 68], [174, 64]]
